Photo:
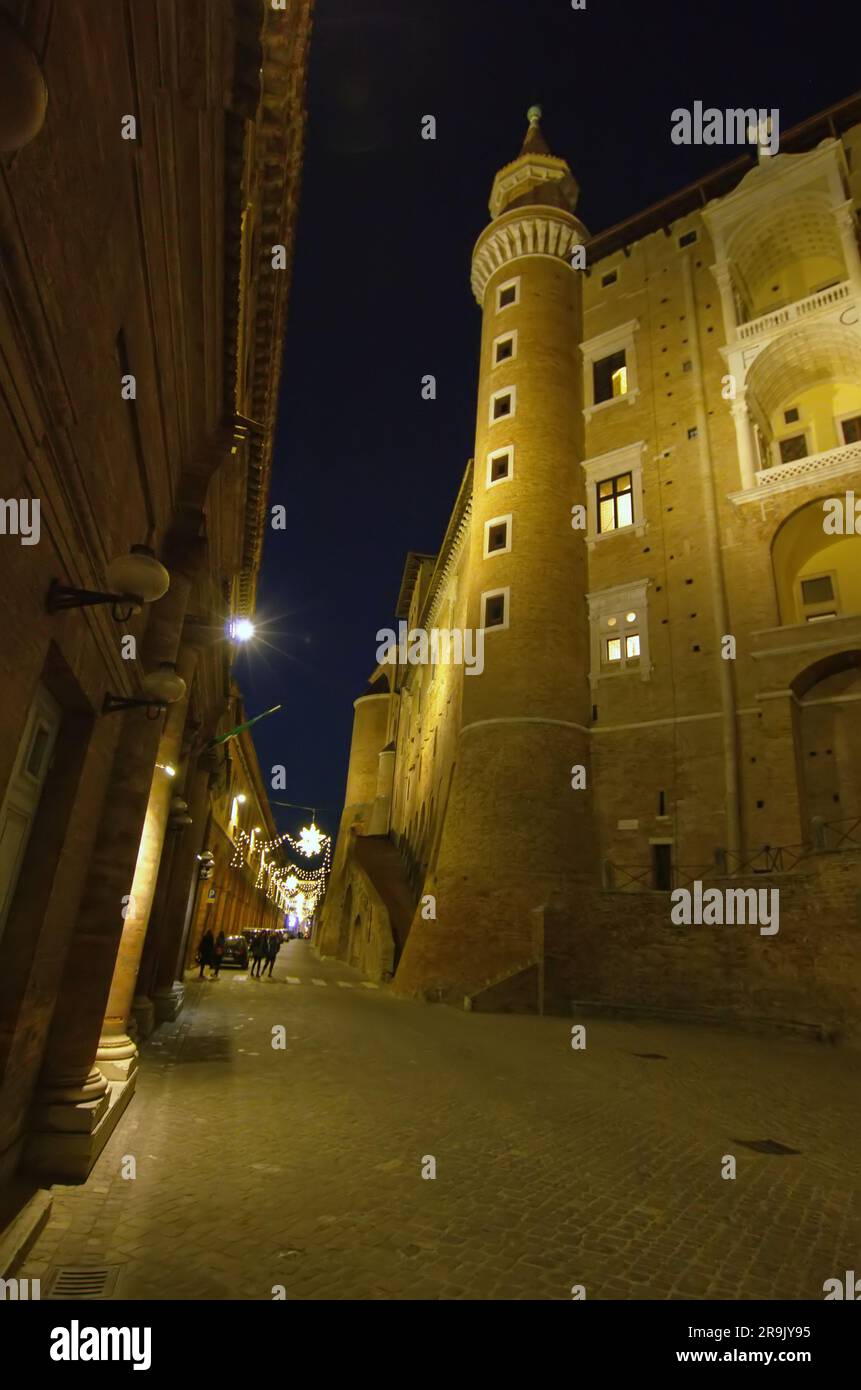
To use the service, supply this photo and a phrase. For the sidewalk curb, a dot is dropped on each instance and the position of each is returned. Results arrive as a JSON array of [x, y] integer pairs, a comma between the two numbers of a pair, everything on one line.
[[23, 1230]]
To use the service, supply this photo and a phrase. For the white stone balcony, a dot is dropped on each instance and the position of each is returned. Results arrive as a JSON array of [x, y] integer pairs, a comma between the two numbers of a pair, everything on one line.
[[816, 468], [800, 311]]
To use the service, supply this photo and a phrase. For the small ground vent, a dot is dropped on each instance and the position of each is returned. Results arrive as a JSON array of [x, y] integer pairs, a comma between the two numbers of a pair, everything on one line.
[[82, 1281], [651, 1056], [766, 1146]]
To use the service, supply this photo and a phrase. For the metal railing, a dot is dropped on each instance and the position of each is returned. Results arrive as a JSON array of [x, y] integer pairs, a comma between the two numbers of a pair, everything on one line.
[[827, 837]]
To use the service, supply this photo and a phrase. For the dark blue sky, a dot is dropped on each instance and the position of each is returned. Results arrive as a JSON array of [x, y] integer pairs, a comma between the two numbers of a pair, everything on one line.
[[380, 293]]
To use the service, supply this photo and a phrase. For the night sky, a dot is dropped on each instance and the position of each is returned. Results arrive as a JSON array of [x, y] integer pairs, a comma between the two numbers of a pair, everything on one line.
[[381, 296]]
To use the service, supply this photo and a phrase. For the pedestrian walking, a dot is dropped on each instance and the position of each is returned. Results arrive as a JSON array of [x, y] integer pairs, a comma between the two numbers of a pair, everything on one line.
[[205, 951], [272, 948], [258, 952], [218, 954]]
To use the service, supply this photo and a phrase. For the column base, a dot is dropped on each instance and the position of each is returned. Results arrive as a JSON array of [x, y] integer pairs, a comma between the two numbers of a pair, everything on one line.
[[117, 1056], [168, 1002], [64, 1148], [143, 1017], [70, 1105]]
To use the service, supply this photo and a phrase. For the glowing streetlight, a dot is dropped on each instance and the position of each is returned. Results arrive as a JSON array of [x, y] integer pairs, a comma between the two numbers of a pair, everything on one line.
[[240, 629]]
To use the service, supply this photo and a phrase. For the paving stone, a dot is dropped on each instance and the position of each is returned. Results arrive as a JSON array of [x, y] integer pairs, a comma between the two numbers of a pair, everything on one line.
[[548, 1174]]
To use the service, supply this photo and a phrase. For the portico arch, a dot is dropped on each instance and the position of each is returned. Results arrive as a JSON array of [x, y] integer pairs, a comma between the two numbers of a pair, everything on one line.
[[804, 392], [815, 574], [828, 695]]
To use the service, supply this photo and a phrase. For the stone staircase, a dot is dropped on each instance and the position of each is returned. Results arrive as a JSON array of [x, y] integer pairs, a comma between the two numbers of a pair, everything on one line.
[[381, 863]]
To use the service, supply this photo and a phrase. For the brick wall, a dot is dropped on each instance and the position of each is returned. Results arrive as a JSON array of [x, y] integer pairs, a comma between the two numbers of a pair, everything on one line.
[[621, 948]]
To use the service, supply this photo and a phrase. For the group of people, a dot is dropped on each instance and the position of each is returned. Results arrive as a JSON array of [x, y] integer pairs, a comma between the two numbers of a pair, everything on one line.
[[264, 952]]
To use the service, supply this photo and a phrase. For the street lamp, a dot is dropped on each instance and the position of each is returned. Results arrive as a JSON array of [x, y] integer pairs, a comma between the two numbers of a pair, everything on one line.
[[161, 688], [240, 629], [134, 579]]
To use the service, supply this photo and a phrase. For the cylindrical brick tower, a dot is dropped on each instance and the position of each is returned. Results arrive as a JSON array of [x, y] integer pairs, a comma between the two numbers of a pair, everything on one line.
[[515, 830], [370, 723]]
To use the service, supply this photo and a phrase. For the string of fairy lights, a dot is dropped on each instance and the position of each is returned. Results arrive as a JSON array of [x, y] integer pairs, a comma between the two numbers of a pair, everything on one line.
[[297, 888]]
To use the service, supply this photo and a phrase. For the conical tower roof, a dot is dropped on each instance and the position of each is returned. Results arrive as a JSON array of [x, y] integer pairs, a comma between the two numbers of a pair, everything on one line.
[[535, 177]]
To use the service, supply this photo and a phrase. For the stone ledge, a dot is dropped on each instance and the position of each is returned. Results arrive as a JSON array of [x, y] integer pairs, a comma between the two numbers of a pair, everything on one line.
[[600, 1008]]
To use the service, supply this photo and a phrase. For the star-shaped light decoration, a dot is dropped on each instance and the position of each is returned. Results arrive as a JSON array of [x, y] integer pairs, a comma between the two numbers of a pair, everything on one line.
[[311, 840]]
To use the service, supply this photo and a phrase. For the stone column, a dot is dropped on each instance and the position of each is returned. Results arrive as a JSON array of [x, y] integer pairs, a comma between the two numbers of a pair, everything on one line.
[[117, 1054], [723, 276], [70, 1119], [164, 981], [847, 228], [744, 440]]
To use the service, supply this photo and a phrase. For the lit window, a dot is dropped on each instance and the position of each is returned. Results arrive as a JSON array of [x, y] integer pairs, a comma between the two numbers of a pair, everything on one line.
[[615, 503], [632, 645], [614, 649], [610, 377]]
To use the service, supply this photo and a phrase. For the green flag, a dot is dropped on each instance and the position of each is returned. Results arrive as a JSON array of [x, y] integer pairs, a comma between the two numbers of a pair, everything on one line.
[[240, 728]]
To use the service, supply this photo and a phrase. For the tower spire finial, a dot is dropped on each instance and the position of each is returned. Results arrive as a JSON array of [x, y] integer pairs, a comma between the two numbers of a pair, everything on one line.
[[534, 142]]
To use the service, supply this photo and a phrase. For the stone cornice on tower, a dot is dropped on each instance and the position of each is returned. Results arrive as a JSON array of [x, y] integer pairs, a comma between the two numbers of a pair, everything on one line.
[[528, 231], [532, 204], [525, 175]]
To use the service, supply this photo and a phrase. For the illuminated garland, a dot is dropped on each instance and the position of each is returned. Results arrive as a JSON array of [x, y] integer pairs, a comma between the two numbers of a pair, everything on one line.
[[296, 888]]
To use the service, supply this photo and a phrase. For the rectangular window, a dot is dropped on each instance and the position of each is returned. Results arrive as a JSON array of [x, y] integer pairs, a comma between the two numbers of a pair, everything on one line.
[[615, 503], [614, 649], [496, 536], [795, 447], [817, 590], [503, 404], [632, 645], [610, 378], [508, 294], [790, 416], [851, 429], [819, 598], [500, 465], [504, 349], [494, 609]]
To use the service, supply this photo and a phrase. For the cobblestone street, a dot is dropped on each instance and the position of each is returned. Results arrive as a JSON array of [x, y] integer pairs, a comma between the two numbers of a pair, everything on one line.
[[258, 1167]]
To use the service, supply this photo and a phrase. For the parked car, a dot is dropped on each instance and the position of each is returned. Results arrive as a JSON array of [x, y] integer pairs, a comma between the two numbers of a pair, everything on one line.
[[235, 952]]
